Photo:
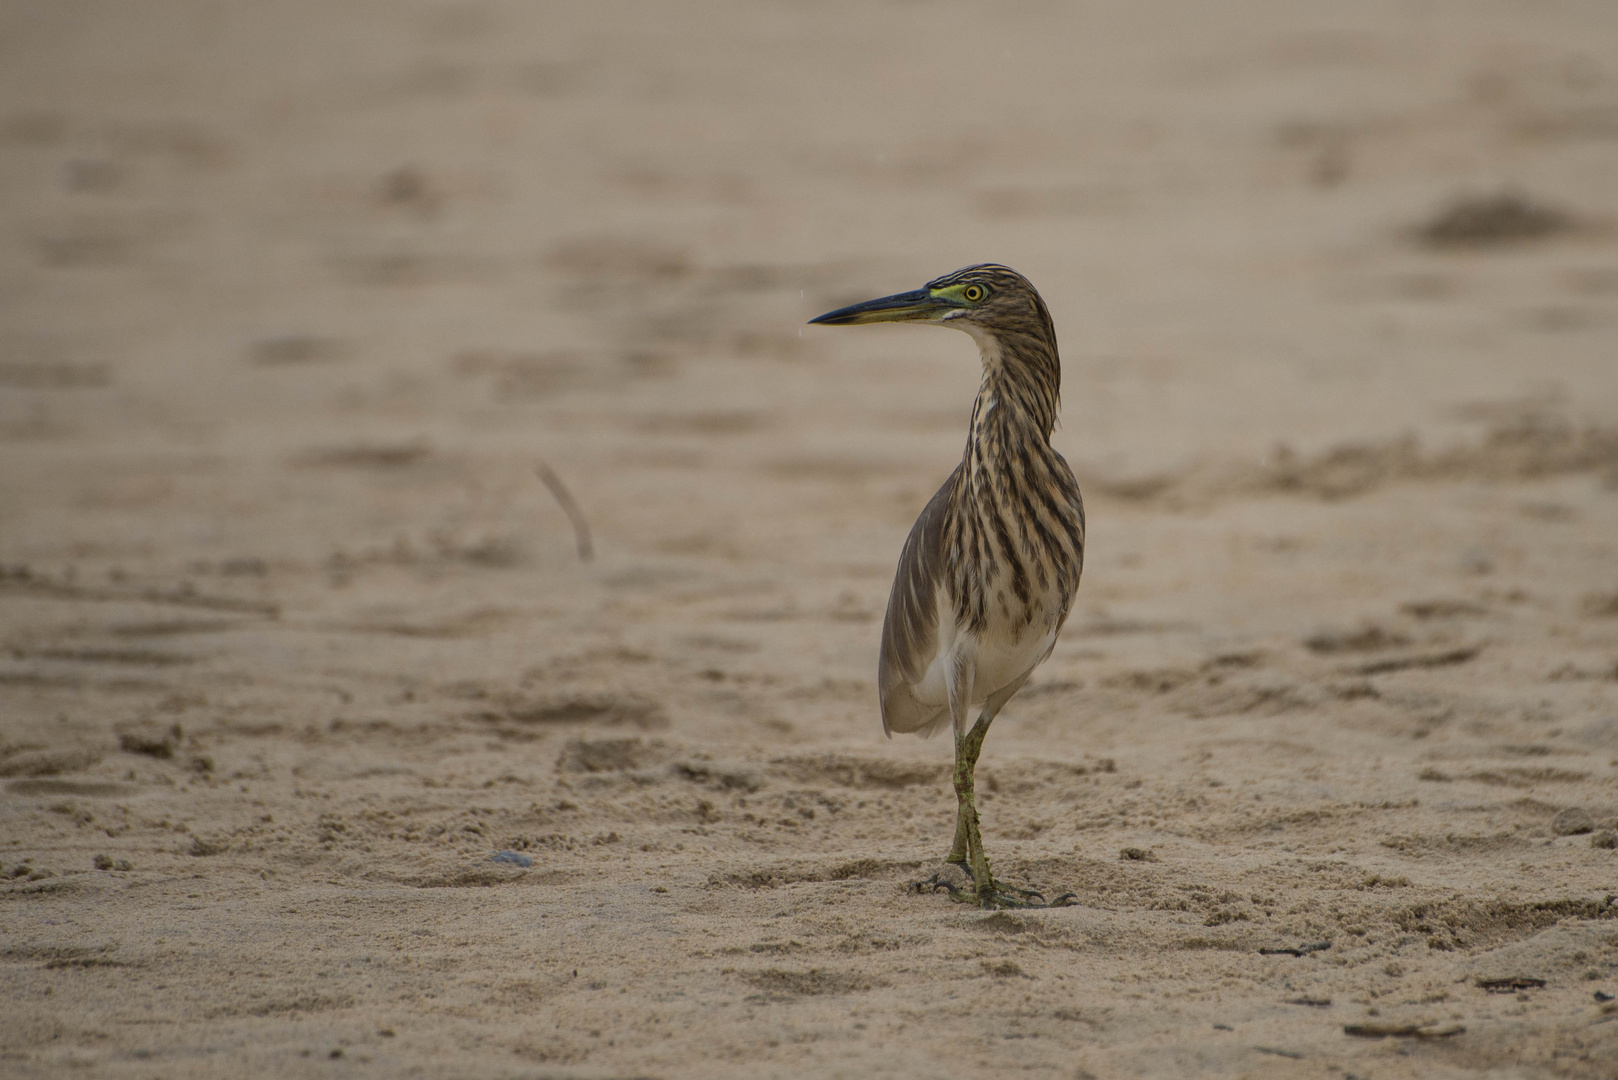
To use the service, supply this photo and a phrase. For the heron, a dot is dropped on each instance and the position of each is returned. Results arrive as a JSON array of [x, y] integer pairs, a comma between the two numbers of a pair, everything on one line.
[[991, 567]]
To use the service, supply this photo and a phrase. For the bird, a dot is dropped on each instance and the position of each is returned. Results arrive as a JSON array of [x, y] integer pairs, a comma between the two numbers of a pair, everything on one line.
[[990, 570]]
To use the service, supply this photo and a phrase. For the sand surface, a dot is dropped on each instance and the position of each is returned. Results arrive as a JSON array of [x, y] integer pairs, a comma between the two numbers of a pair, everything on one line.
[[296, 297]]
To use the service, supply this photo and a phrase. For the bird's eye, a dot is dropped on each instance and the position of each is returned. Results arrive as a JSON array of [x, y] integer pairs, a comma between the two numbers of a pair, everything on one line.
[[973, 293]]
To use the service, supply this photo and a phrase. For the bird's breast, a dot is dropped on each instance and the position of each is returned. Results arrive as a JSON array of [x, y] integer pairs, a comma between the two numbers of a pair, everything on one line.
[[998, 652]]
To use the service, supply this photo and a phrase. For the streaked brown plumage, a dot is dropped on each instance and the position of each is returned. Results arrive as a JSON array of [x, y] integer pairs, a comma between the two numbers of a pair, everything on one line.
[[991, 567]]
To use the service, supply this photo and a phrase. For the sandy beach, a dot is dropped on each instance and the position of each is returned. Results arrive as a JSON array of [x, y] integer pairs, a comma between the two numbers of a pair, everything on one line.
[[325, 753]]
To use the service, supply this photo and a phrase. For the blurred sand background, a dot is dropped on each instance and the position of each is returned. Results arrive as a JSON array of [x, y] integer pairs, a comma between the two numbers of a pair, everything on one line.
[[294, 297]]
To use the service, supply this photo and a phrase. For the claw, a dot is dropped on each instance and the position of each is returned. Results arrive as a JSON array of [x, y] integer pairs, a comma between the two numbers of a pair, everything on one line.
[[1001, 899], [1027, 894], [999, 896], [938, 884]]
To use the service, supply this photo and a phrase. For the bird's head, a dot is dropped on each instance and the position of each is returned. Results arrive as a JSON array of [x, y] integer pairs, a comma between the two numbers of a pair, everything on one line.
[[1007, 318], [986, 300]]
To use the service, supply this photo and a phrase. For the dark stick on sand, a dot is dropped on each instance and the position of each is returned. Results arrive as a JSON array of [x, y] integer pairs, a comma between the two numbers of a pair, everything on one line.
[[564, 498]]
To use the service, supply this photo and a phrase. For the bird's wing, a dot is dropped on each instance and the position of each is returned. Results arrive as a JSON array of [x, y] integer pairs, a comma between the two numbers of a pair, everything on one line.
[[910, 631]]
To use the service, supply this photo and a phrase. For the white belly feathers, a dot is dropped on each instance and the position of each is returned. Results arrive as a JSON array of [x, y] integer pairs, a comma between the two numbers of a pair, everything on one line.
[[997, 657]]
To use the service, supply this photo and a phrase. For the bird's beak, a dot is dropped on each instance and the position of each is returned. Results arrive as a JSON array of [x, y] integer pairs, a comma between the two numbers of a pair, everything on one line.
[[918, 305]]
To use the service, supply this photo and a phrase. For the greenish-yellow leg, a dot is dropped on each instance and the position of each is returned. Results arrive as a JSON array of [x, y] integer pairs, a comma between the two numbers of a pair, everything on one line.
[[968, 847], [967, 850]]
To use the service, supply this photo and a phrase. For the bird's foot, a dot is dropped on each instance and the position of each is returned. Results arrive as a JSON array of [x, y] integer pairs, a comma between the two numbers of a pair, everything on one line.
[[952, 878], [1010, 896], [956, 880]]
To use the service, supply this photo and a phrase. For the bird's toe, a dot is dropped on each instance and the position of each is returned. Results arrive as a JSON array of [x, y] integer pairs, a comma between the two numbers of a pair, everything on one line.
[[952, 878]]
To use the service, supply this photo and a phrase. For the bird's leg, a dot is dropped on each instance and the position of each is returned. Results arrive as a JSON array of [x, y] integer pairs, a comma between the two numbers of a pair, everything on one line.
[[967, 745], [960, 700], [967, 850], [960, 852], [968, 846]]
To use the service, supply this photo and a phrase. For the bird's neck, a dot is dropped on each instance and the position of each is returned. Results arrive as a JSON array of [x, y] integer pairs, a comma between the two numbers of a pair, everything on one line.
[[1020, 392], [1014, 517]]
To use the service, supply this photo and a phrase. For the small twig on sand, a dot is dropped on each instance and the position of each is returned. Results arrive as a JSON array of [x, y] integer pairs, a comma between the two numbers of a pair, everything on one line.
[[1512, 985], [564, 498], [1300, 950], [1402, 1031]]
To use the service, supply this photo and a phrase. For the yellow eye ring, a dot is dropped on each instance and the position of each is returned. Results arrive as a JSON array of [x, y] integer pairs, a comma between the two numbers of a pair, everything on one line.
[[973, 293]]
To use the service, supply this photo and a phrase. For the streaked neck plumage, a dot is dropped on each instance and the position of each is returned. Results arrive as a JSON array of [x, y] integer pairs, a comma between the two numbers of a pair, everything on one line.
[[1018, 397], [1016, 509]]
